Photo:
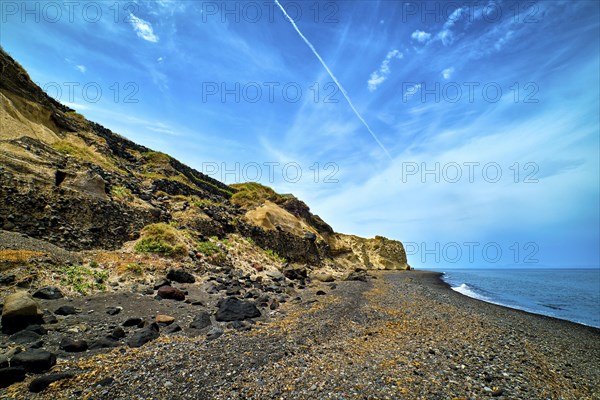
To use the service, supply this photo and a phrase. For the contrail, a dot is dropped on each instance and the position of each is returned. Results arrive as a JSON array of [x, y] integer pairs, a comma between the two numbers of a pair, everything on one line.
[[335, 80]]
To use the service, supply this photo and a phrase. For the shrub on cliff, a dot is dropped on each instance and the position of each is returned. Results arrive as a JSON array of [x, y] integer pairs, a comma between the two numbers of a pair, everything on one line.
[[161, 238]]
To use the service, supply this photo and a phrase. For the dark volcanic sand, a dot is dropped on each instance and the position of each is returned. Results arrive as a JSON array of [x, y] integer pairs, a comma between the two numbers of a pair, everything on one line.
[[405, 335]]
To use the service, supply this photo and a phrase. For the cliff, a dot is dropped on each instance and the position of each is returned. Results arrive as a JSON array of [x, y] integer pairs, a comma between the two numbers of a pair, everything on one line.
[[74, 184]]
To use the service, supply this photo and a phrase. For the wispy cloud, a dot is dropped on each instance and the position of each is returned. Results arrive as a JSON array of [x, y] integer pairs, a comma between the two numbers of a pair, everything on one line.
[[447, 73], [143, 29], [81, 68], [421, 36], [379, 76]]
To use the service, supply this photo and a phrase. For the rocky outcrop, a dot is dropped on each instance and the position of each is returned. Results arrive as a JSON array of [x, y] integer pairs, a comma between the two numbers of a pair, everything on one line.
[[377, 253]]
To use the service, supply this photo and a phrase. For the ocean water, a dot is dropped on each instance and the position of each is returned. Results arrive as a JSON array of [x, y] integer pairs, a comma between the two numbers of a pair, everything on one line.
[[571, 294]]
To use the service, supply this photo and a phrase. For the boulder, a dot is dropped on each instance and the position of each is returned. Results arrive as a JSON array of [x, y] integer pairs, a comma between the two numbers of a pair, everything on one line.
[[66, 310], [103, 343], [35, 360], [201, 321], [164, 319], [25, 336], [48, 293], [181, 276], [357, 275], [169, 292], [234, 309], [144, 335], [161, 282], [133, 321], [276, 275], [114, 310], [324, 277], [11, 375], [19, 311], [214, 333], [39, 384], [295, 272], [73, 346]]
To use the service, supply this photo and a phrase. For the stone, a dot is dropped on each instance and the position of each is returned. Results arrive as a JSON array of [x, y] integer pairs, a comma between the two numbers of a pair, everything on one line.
[[234, 309], [211, 288], [48, 293], [40, 330], [295, 272], [161, 282], [171, 328], [169, 292], [357, 275], [133, 321], [35, 360], [214, 333], [66, 310], [276, 275], [117, 333], [24, 337], [19, 311], [73, 346], [320, 293], [310, 236], [50, 319], [324, 277], [10, 375], [103, 343], [181, 276], [201, 321], [113, 310], [164, 319], [144, 335], [6, 280], [497, 392], [39, 384]]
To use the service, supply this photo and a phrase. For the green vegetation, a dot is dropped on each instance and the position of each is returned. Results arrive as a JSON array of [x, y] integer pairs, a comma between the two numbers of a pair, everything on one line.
[[85, 153], [161, 238], [156, 158], [252, 194], [208, 248], [121, 193], [77, 116], [273, 254], [82, 279], [135, 268]]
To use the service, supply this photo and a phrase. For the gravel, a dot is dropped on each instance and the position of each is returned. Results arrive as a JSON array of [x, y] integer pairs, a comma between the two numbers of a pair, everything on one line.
[[403, 335]]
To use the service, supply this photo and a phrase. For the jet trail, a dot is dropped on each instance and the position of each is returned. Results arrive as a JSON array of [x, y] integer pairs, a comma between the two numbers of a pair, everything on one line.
[[344, 93]]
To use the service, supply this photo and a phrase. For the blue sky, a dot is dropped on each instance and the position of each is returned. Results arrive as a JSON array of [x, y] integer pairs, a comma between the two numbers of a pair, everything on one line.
[[474, 136]]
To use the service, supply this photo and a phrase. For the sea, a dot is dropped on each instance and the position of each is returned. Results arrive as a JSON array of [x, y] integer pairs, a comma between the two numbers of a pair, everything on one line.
[[572, 294]]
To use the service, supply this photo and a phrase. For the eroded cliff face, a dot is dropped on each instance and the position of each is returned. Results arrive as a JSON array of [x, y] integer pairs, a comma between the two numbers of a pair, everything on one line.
[[77, 185]]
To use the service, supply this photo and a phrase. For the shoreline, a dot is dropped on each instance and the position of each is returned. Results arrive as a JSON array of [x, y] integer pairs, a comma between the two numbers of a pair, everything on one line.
[[439, 276]]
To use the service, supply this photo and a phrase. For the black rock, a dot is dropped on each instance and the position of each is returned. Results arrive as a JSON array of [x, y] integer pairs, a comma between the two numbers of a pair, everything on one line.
[[295, 272], [201, 321], [214, 333], [50, 319], [133, 321], [25, 336], [103, 343], [233, 290], [66, 310], [48, 293], [181, 276], [40, 330], [113, 310], [7, 279], [105, 382], [320, 293], [41, 383], [35, 360], [11, 375], [172, 329], [73, 346], [161, 283], [144, 336], [117, 333], [234, 309], [310, 236], [357, 275]]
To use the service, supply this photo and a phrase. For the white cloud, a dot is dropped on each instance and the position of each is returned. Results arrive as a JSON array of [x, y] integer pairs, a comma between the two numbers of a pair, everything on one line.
[[81, 68], [447, 73], [379, 76], [421, 36], [143, 29]]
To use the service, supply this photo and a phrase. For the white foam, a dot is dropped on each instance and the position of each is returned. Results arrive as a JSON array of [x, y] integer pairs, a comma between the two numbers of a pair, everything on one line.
[[468, 291]]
